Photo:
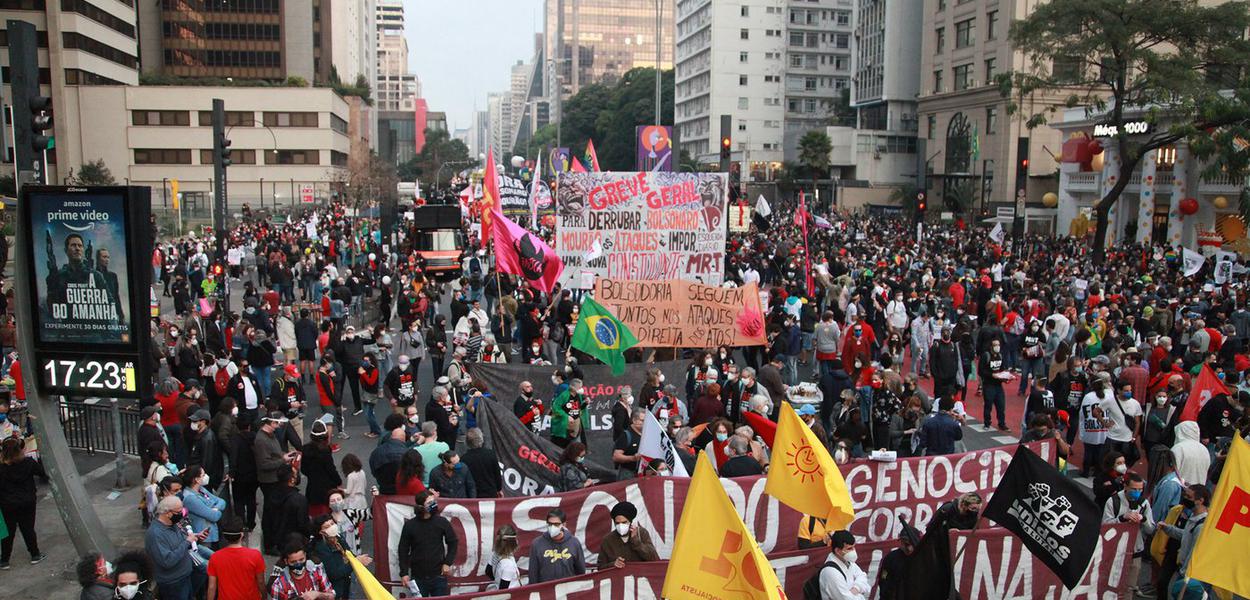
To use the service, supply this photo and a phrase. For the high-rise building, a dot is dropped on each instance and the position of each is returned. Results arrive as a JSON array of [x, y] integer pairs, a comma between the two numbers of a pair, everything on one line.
[[499, 119], [778, 68], [80, 43], [613, 36], [396, 88], [964, 117]]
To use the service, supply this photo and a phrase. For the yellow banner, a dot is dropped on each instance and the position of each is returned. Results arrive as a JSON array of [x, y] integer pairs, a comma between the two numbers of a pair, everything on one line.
[[1219, 555], [804, 475]]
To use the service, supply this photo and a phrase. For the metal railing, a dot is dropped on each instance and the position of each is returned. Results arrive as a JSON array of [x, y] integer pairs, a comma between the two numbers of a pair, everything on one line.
[[88, 425]]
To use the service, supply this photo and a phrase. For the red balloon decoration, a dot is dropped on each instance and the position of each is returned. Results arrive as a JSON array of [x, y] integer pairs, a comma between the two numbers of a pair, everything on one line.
[[1094, 147], [1189, 206]]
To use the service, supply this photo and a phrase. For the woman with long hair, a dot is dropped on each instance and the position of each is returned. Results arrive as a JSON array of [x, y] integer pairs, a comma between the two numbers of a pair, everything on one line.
[[328, 546], [17, 499], [410, 475], [502, 567], [574, 475]]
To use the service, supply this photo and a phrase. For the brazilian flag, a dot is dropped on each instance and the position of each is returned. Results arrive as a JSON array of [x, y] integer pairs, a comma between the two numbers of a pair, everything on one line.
[[602, 336]]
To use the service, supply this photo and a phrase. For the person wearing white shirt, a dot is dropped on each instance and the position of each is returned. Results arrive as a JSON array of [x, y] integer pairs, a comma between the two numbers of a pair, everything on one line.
[[749, 275], [896, 314], [840, 577]]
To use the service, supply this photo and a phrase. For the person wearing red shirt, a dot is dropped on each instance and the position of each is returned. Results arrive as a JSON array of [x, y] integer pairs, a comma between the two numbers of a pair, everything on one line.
[[235, 572], [956, 291], [272, 301], [15, 371]]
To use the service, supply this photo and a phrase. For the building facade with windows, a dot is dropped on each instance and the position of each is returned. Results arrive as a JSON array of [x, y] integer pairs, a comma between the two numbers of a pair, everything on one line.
[[1149, 209], [80, 43], [595, 41], [396, 87], [777, 68], [150, 135], [978, 155]]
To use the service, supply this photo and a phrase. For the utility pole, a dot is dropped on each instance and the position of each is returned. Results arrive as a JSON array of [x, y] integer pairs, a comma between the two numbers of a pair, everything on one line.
[[30, 109], [221, 160], [659, 29]]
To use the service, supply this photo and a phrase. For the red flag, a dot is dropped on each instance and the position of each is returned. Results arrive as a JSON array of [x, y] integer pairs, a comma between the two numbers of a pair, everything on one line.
[[490, 194], [577, 166], [800, 219], [762, 426], [592, 159], [1206, 387], [520, 252]]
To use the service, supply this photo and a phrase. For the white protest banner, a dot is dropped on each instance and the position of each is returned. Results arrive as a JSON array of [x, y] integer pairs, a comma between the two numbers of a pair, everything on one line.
[[651, 225]]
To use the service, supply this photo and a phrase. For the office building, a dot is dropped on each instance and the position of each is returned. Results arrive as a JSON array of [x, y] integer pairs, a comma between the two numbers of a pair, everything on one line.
[[80, 43], [978, 149], [613, 36], [396, 88], [776, 68]]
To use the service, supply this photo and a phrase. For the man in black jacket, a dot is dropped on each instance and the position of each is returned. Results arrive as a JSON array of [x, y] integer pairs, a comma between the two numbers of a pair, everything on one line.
[[740, 463], [483, 465], [306, 342], [350, 353], [427, 546], [203, 447], [287, 510], [944, 364], [243, 483], [150, 431]]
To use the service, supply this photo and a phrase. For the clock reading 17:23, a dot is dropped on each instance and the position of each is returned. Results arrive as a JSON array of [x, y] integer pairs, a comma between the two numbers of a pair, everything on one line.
[[89, 374]]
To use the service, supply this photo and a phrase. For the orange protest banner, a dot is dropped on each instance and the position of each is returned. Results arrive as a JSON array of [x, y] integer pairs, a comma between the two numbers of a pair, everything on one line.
[[682, 314]]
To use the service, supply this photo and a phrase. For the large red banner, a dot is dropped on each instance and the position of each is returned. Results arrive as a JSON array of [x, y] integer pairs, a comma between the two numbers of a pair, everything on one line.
[[885, 494], [995, 566]]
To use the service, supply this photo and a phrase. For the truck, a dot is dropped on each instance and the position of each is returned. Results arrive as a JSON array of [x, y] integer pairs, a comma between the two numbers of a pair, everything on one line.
[[408, 192], [435, 233]]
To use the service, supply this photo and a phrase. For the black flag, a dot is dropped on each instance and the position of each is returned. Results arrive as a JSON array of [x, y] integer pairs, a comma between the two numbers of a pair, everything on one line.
[[1051, 514]]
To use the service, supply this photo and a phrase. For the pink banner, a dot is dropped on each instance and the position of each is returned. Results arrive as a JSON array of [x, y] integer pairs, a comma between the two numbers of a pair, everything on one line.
[[884, 495]]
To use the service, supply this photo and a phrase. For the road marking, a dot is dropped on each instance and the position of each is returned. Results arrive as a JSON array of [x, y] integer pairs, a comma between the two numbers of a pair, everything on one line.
[[1005, 439]]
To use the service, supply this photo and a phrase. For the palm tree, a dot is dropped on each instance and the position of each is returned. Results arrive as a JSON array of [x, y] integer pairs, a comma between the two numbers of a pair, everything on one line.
[[814, 151]]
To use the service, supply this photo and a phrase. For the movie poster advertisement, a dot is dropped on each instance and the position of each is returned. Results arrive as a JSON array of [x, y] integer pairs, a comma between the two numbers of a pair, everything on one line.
[[81, 274]]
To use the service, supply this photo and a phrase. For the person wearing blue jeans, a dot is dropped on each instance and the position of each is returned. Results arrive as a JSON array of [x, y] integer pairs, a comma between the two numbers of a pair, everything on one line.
[[1032, 354]]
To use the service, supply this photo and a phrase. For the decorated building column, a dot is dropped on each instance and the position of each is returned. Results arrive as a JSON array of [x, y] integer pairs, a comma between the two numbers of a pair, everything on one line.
[[1146, 198], [1110, 175], [1177, 222], [1066, 210]]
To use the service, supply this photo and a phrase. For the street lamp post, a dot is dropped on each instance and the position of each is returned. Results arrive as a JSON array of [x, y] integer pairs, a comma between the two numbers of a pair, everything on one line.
[[292, 193], [659, 7], [165, 192], [262, 193]]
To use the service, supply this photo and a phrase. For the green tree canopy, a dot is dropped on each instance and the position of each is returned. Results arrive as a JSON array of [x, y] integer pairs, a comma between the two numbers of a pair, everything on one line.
[[1179, 65], [93, 172], [440, 149], [608, 114], [814, 152]]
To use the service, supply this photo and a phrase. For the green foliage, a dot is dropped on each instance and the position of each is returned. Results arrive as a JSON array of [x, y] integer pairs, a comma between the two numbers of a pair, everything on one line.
[[608, 114], [8, 186], [1120, 58], [92, 173], [814, 150], [440, 149], [295, 81]]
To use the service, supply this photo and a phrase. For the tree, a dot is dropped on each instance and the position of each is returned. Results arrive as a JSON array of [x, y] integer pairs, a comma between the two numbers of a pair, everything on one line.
[[440, 150], [814, 153], [608, 113], [92, 173], [1167, 61]]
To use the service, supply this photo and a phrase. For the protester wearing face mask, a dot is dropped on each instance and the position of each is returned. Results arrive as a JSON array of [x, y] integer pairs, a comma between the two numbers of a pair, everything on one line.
[[1196, 501], [96, 577], [329, 547], [1130, 505], [169, 546], [427, 547], [557, 553], [895, 567], [995, 372], [205, 450], [452, 479], [529, 408], [234, 571], [843, 579], [627, 542], [133, 575], [1125, 414], [700, 373], [1110, 477], [203, 508], [574, 473], [570, 415], [300, 578]]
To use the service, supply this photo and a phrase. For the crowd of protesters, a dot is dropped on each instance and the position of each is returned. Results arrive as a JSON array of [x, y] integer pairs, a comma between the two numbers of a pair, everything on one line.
[[905, 342]]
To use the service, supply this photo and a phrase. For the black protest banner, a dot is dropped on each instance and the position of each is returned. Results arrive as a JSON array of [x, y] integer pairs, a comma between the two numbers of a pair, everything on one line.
[[514, 199], [1050, 513], [601, 388], [530, 463]]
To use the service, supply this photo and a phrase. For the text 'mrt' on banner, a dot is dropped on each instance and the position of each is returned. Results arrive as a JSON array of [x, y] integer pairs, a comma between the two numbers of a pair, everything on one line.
[[682, 314], [650, 225]]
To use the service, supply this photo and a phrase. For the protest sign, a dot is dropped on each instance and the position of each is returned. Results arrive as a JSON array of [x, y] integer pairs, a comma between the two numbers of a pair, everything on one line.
[[514, 199], [996, 565], [884, 495], [682, 314], [651, 225]]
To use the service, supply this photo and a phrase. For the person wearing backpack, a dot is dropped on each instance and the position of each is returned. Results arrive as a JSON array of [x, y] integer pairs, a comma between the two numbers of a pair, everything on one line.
[[839, 578]]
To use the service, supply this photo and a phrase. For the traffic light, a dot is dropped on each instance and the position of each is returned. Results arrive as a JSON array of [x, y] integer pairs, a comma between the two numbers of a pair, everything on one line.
[[223, 150], [40, 122], [31, 109], [922, 203], [726, 144]]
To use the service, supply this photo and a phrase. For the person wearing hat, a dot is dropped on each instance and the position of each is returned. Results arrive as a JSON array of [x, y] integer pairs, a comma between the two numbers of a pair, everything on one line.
[[203, 446], [627, 542], [150, 431], [807, 413], [893, 567], [270, 459], [289, 397]]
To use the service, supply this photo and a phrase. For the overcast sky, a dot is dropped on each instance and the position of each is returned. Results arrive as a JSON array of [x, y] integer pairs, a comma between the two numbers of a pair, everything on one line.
[[463, 49]]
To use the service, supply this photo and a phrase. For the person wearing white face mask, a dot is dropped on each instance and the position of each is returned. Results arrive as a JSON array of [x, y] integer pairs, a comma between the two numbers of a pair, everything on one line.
[[95, 575], [131, 577], [204, 509], [628, 542], [556, 554], [329, 547], [204, 447], [841, 578]]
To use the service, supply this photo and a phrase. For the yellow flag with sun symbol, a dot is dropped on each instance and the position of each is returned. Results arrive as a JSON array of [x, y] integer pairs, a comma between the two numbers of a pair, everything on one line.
[[804, 476]]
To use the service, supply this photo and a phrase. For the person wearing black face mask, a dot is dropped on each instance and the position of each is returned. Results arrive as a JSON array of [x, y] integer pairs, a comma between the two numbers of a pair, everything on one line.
[[289, 506], [427, 546], [169, 546], [300, 579]]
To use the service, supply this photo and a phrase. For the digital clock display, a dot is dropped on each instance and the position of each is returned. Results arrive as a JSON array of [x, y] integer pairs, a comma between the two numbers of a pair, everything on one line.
[[90, 375]]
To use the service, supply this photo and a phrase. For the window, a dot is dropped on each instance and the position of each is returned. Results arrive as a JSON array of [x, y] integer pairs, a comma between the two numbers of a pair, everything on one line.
[[1066, 69], [742, 57], [163, 156], [746, 11], [772, 124], [940, 36], [744, 34], [742, 126], [937, 82], [742, 80], [796, 61], [963, 77], [809, 84], [809, 105], [290, 119], [965, 33], [931, 120], [338, 159], [991, 120], [991, 69], [174, 118], [744, 103], [991, 24], [338, 124], [844, 18], [941, 5], [843, 41], [107, 19], [797, 38], [238, 157], [234, 118], [293, 157], [772, 79], [77, 41], [841, 63]]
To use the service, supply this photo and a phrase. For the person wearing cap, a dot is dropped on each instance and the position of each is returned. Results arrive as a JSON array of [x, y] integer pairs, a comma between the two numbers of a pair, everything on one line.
[[841, 578], [270, 459], [807, 413], [401, 384], [627, 542], [894, 567], [204, 448], [150, 431], [317, 465]]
